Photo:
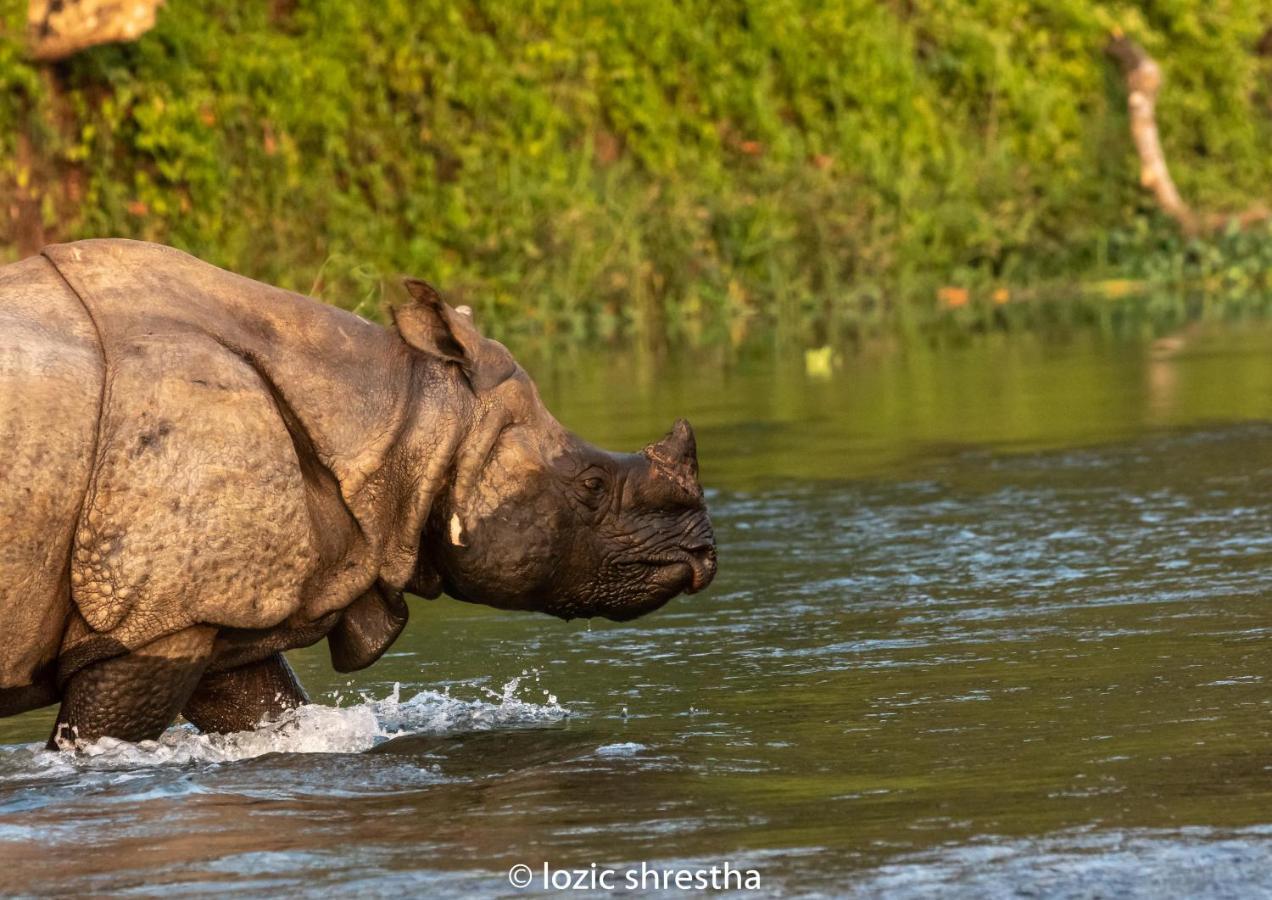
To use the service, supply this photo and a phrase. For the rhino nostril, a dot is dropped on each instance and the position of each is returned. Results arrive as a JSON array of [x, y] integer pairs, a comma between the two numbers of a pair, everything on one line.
[[703, 562]]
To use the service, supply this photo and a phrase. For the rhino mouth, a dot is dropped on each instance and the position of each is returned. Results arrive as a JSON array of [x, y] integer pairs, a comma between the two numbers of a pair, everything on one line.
[[688, 571]]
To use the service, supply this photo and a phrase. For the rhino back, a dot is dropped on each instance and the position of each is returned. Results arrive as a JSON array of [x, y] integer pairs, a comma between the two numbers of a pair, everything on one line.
[[50, 388], [342, 375]]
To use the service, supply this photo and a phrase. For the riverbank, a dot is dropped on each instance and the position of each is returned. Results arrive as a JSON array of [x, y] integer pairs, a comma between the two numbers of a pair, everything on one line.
[[681, 173]]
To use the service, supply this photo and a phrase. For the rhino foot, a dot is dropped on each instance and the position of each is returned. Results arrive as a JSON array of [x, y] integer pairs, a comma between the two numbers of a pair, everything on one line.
[[136, 696]]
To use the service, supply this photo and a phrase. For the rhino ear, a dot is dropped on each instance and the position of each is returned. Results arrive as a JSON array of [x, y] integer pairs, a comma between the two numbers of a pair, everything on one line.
[[429, 325]]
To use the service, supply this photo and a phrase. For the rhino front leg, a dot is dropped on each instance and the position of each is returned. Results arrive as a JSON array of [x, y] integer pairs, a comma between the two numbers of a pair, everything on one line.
[[136, 696], [239, 699]]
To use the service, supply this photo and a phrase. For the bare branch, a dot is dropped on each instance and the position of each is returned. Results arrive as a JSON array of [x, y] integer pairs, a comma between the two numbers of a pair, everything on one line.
[[1143, 83], [62, 28]]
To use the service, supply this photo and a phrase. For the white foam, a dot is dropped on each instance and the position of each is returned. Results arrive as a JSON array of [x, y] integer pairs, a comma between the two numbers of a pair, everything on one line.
[[314, 728], [627, 749]]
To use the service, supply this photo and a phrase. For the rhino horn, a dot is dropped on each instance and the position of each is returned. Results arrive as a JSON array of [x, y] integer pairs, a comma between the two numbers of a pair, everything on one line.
[[677, 451]]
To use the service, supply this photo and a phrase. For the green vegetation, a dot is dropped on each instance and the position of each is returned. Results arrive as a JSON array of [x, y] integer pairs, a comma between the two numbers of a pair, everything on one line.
[[684, 170]]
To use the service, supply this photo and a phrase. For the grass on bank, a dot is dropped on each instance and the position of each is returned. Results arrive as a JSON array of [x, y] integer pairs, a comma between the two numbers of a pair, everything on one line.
[[670, 170]]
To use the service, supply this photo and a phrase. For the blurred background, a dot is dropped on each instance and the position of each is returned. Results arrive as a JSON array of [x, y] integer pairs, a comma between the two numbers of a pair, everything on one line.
[[967, 303], [660, 174]]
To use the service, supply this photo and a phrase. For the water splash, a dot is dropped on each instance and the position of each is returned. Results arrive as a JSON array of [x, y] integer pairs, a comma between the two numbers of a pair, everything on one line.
[[314, 728]]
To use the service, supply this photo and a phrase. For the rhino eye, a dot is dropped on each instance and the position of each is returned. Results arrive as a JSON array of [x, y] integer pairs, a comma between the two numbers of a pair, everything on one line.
[[591, 489]]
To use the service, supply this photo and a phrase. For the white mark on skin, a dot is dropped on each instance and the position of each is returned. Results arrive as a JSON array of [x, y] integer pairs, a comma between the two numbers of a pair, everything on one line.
[[456, 530]]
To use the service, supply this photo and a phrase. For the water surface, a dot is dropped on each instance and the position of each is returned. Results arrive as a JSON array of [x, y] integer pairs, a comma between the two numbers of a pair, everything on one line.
[[990, 621]]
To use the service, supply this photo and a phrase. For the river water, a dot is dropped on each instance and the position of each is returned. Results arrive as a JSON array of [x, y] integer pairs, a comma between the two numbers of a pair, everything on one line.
[[991, 621]]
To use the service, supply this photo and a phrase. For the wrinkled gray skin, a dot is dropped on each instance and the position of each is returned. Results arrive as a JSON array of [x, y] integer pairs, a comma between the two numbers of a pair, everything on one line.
[[202, 471]]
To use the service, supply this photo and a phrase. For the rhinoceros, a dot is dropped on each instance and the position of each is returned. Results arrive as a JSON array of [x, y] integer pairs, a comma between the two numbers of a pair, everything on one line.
[[199, 471]]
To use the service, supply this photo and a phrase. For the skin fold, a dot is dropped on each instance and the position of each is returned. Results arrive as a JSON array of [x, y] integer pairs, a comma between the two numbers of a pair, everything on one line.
[[206, 471]]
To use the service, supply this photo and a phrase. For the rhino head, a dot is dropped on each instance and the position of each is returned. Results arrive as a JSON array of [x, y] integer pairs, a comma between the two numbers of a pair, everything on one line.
[[534, 518]]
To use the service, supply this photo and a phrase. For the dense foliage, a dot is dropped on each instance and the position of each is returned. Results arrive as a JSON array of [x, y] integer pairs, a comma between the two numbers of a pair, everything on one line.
[[662, 168]]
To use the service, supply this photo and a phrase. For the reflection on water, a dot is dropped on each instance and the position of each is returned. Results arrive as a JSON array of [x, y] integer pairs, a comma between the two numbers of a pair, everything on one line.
[[989, 621]]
